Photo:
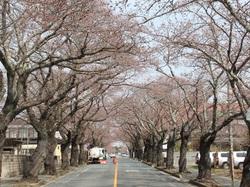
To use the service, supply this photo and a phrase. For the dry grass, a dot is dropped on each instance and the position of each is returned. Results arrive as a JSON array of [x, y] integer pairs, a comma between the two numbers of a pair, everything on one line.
[[226, 172], [44, 179]]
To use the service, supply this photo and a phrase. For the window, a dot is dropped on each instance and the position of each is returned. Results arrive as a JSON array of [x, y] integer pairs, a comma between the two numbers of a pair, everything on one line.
[[241, 154], [32, 133], [27, 151], [8, 133], [224, 154], [13, 133], [23, 133]]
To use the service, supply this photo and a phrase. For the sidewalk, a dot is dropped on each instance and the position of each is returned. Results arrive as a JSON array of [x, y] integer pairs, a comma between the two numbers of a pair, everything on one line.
[[42, 179], [220, 181]]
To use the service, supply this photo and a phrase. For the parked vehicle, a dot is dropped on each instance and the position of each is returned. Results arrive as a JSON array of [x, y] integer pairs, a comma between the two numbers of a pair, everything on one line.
[[125, 155], [96, 155], [112, 155], [211, 155], [223, 159], [239, 157]]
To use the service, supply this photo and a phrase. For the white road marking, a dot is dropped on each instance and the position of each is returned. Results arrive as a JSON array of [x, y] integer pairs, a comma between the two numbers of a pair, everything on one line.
[[132, 171]]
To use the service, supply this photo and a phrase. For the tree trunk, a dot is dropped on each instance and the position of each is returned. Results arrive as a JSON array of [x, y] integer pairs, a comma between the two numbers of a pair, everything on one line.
[[82, 154], [49, 164], [2, 140], [140, 153], [183, 155], [74, 152], [245, 179], [65, 155], [140, 150], [133, 152], [3, 125], [34, 163], [159, 150], [204, 165], [130, 153], [154, 152], [170, 150], [65, 150], [150, 151], [185, 134], [146, 150], [136, 153]]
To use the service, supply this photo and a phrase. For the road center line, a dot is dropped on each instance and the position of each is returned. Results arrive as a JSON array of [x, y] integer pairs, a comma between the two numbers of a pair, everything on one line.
[[116, 174]]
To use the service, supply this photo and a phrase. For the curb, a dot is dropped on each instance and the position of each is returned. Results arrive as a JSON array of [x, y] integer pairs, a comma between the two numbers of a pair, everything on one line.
[[196, 183], [170, 173], [192, 181], [200, 184], [163, 170]]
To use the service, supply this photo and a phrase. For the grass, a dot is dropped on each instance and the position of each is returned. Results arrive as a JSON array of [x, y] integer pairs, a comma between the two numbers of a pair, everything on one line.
[[226, 172], [194, 167], [223, 172]]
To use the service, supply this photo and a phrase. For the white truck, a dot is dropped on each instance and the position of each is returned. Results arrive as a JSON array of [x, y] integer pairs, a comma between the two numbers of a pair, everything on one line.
[[96, 155]]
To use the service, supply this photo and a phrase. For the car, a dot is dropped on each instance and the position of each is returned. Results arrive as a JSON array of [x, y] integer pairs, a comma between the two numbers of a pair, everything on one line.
[[211, 155], [239, 157], [124, 155], [223, 159], [112, 155]]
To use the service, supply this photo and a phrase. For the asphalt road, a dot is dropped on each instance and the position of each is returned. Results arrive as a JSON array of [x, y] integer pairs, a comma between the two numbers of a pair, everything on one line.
[[130, 173]]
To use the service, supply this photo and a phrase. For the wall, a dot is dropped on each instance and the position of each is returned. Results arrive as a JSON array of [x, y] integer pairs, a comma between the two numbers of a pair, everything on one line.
[[190, 158], [12, 165]]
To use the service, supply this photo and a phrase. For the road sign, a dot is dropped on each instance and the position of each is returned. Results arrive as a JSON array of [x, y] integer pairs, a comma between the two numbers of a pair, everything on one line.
[[248, 114]]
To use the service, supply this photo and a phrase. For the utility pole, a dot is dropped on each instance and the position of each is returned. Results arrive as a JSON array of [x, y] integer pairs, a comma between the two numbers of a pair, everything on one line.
[[230, 130], [231, 154]]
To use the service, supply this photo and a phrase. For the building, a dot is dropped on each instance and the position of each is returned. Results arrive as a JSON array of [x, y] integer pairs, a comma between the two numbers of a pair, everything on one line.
[[18, 134], [21, 139], [221, 143]]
